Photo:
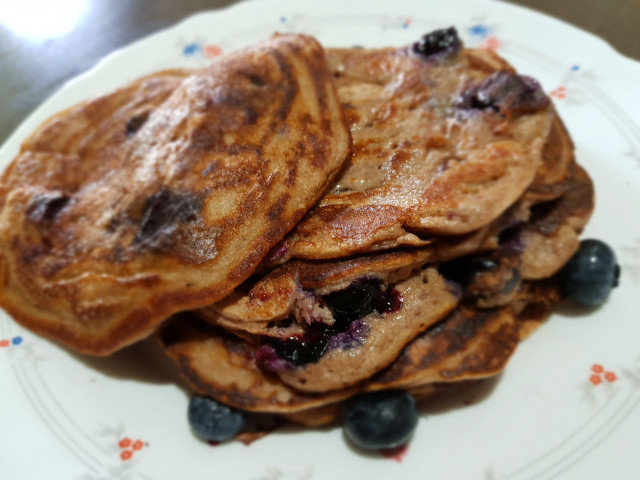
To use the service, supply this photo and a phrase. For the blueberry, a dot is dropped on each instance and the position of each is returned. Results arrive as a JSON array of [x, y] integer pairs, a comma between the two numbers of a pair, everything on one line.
[[462, 270], [164, 212], [353, 336], [356, 301], [440, 44], [591, 274], [304, 349], [211, 420], [381, 420], [46, 207], [135, 123]]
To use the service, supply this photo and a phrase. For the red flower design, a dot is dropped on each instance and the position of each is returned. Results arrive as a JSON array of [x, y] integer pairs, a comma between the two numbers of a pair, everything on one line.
[[126, 455], [138, 444], [397, 453], [561, 93], [610, 377], [595, 379], [597, 368], [491, 43], [212, 51], [4, 343], [125, 442]]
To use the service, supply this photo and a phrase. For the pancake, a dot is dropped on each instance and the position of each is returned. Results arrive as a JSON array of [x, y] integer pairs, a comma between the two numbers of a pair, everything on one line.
[[532, 250], [471, 343], [274, 295], [288, 299], [534, 303], [425, 161], [166, 194], [266, 303], [550, 238], [557, 164]]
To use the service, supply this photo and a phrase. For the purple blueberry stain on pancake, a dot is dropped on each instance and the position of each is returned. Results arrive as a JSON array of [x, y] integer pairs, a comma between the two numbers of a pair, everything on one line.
[[348, 306], [135, 123], [506, 93], [268, 359], [46, 207], [511, 241], [164, 212], [352, 337]]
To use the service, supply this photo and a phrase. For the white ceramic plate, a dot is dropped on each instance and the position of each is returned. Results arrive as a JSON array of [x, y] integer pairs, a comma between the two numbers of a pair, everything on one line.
[[565, 408]]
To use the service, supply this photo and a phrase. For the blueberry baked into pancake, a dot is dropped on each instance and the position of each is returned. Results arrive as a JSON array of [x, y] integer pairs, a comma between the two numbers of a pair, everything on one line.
[[310, 240]]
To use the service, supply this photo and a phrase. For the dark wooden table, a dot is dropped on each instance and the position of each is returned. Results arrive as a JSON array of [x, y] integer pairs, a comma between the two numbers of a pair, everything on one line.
[[44, 42]]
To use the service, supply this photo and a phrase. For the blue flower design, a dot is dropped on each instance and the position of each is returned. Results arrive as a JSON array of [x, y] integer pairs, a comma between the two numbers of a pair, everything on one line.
[[283, 19], [191, 49], [479, 30], [405, 24], [575, 68], [16, 340]]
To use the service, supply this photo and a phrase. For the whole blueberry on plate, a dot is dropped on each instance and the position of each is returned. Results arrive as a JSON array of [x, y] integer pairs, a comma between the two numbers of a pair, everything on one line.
[[591, 274], [211, 420], [378, 420]]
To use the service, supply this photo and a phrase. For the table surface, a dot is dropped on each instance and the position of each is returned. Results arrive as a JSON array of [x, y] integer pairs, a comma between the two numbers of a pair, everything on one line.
[[39, 53]]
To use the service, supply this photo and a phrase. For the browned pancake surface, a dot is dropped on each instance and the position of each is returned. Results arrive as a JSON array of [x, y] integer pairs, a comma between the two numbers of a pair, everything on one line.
[[166, 194], [471, 343], [550, 238]]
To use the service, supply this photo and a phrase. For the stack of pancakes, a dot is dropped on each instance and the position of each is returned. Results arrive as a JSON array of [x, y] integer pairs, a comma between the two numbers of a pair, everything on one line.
[[302, 224]]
